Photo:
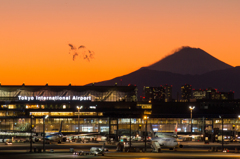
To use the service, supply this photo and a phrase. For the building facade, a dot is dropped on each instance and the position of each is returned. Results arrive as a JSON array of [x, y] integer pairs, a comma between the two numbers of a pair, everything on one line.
[[99, 105], [107, 109], [162, 93], [212, 94], [186, 92]]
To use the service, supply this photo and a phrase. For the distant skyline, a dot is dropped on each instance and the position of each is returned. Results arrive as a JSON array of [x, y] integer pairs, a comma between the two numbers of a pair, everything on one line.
[[124, 36]]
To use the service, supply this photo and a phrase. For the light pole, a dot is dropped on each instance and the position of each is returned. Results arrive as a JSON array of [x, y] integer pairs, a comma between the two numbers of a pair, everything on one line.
[[222, 131], [31, 134], [145, 118], [44, 117], [191, 108], [79, 117], [130, 133]]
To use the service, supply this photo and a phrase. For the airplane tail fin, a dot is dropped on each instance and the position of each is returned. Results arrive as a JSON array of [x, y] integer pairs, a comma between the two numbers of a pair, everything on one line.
[[60, 130], [175, 131]]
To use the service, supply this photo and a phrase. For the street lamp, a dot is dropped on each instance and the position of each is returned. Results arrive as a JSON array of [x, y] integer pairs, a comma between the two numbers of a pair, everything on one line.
[[222, 130], [31, 133], [191, 108], [145, 118], [130, 133], [44, 117], [79, 117]]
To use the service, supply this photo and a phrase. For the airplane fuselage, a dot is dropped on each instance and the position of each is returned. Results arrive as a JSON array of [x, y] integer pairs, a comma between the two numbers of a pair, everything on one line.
[[55, 137], [166, 141]]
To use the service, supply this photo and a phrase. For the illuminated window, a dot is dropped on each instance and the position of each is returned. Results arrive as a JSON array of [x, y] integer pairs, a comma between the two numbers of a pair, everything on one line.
[[32, 106], [185, 121], [147, 112], [12, 107], [3, 106], [145, 106], [208, 122], [104, 128], [61, 113], [87, 129], [39, 121], [86, 113], [100, 113], [2, 113], [64, 106], [39, 113], [9, 106]]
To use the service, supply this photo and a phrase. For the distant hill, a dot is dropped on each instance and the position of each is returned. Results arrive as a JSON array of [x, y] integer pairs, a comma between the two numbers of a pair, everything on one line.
[[186, 66], [223, 80], [189, 60]]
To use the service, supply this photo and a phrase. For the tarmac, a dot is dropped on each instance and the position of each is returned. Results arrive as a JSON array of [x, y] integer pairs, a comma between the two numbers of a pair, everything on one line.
[[125, 155]]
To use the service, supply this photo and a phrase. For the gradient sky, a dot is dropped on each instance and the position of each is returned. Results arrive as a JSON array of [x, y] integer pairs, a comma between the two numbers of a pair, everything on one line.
[[124, 34]]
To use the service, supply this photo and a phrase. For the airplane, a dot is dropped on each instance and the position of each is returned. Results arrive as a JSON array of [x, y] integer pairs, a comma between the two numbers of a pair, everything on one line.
[[93, 150], [55, 137], [167, 139]]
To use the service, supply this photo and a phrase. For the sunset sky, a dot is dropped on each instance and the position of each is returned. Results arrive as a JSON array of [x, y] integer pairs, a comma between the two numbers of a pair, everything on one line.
[[125, 35]]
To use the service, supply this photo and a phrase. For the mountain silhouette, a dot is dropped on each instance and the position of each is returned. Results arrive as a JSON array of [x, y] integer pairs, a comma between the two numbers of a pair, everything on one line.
[[189, 60], [186, 66], [223, 80]]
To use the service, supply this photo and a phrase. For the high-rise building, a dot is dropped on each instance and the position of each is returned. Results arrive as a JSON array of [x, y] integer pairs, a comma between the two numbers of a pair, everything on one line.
[[186, 91], [154, 93], [199, 93], [227, 95], [162, 93], [168, 93], [212, 94]]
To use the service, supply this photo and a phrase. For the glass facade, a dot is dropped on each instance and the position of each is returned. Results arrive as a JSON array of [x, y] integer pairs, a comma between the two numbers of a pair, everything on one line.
[[103, 109], [102, 124], [52, 93], [14, 124]]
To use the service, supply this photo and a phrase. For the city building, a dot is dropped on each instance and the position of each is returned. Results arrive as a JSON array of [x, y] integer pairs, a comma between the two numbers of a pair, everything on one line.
[[99, 105], [154, 93], [186, 92], [199, 94], [212, 94], [107, 110], [227, 95], [162, 93], [168, 93]]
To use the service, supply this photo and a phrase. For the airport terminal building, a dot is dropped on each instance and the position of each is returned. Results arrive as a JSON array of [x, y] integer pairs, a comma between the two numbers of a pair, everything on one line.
[[106, 109]]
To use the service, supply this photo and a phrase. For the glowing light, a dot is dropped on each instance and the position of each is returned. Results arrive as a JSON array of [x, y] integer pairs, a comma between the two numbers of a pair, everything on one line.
[[191, 107], [79, 107]]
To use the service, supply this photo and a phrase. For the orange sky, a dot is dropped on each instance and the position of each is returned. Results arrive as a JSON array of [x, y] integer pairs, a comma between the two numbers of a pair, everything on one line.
[[125, 36]]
